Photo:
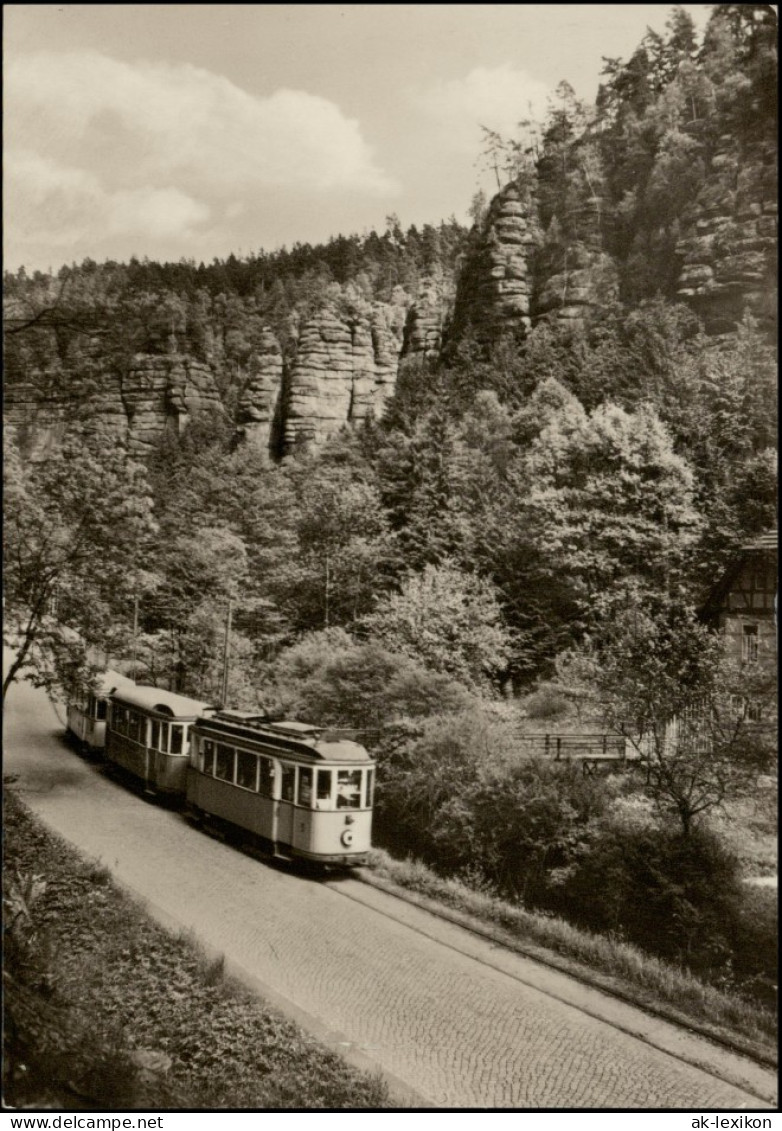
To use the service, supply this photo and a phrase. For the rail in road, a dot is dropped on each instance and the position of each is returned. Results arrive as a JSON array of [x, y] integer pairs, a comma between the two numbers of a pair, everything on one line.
[[452, 1020]]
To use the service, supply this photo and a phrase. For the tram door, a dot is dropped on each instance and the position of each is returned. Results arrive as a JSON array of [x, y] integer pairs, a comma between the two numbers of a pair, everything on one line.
[[284, 806]]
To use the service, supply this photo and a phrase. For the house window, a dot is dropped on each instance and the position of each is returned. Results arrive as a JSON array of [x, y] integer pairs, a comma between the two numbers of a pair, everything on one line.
[[749, 644], [753, 711]]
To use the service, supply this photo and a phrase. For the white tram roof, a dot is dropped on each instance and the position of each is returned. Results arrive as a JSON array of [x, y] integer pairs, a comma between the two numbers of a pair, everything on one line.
[[157, 699], [306, 736], [110, 681]]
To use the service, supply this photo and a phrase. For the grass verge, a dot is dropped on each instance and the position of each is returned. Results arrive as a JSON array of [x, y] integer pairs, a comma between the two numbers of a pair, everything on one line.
[[607, 963], [105, 1010]]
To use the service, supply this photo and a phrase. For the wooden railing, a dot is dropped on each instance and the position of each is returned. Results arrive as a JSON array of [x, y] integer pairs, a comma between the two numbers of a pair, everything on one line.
[[576, 747]]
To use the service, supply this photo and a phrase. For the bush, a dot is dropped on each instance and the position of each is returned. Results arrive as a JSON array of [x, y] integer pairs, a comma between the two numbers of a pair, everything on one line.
[[330, 678], [456, 793], [427, 778], [546, 703], [534, 820], [753, 932], [672, 895]]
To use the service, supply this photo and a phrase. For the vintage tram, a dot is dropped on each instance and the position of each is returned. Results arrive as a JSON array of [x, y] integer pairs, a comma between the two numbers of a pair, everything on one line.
[[148, 733], [292, 788], [86, 723]]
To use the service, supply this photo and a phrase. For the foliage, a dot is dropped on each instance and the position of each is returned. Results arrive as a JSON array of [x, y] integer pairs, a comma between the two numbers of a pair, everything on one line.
[[331, 678], [73, 522], [448, 620], [680, 897], [665, 683]]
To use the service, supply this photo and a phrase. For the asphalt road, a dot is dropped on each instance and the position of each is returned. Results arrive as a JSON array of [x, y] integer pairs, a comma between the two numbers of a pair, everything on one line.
[[452, 1020]]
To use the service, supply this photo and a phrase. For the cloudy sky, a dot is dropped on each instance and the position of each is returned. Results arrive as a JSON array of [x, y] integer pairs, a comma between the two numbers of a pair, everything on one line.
[[179, 130]]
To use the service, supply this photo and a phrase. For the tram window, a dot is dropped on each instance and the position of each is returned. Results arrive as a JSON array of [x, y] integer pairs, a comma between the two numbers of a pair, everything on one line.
[[224, 763], [305, 786], [266, 784], [154, 735], [370, 783], [348, 789], [206, 758], [163, 738], [246, 769], [288, 780], [323, 796], [100, 709], [133, 725], [118, 719], [176, 739]]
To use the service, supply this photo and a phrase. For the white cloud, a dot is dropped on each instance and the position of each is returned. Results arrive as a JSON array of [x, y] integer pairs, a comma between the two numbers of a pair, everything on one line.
[[158, 123], [63, 204], [498, 98], [161, 158]]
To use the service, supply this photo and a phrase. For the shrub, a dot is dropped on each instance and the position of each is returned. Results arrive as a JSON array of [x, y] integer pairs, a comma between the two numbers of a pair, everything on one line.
[[672, 895], [546, 703], [331, 678], [753, 929], [426, 781]]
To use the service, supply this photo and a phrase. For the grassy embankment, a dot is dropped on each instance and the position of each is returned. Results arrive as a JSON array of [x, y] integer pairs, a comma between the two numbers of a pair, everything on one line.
[[608, 963], [105, 1010]]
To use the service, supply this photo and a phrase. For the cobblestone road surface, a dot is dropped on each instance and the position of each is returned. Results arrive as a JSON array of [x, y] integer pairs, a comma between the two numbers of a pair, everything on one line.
[[452, 1020]]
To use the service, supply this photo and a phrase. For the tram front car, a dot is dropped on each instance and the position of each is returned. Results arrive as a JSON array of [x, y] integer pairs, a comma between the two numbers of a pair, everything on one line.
[[300, 792]]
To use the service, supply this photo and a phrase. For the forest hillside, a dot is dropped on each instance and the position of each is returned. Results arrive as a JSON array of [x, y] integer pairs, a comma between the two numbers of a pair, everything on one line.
[[443, 483]]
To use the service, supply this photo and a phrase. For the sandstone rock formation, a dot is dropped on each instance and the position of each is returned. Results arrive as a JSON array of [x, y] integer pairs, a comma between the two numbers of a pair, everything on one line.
[[728, 244], [162, 393], [345, 368], [494, 293], [581, 281], [155, 393], [426, 318], [261, 404]]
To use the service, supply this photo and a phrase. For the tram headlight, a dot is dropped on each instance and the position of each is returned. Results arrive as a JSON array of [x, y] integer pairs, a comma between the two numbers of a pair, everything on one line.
[[347, 838]]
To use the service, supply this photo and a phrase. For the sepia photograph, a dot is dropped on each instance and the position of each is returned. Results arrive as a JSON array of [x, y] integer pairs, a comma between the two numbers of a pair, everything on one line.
[[389, 564]]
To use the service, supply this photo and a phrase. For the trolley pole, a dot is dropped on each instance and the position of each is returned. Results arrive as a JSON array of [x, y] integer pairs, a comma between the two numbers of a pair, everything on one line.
[[226, 652], [135, 631]]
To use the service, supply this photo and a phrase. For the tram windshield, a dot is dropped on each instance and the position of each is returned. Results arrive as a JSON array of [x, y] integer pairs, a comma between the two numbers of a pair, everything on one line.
[[348, 789]]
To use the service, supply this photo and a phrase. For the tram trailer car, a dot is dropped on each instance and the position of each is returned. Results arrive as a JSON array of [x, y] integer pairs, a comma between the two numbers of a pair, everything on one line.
[[86, 725], [148, 734], [286, 783]]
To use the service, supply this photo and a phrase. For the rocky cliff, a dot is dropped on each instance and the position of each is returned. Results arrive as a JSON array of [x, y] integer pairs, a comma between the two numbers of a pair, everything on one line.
[[136, 404], [343, 366], [335, 361], [495, 287], [729, 239]]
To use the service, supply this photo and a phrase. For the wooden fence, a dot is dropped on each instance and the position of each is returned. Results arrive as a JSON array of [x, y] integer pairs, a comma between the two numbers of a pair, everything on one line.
[[576, 747]]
